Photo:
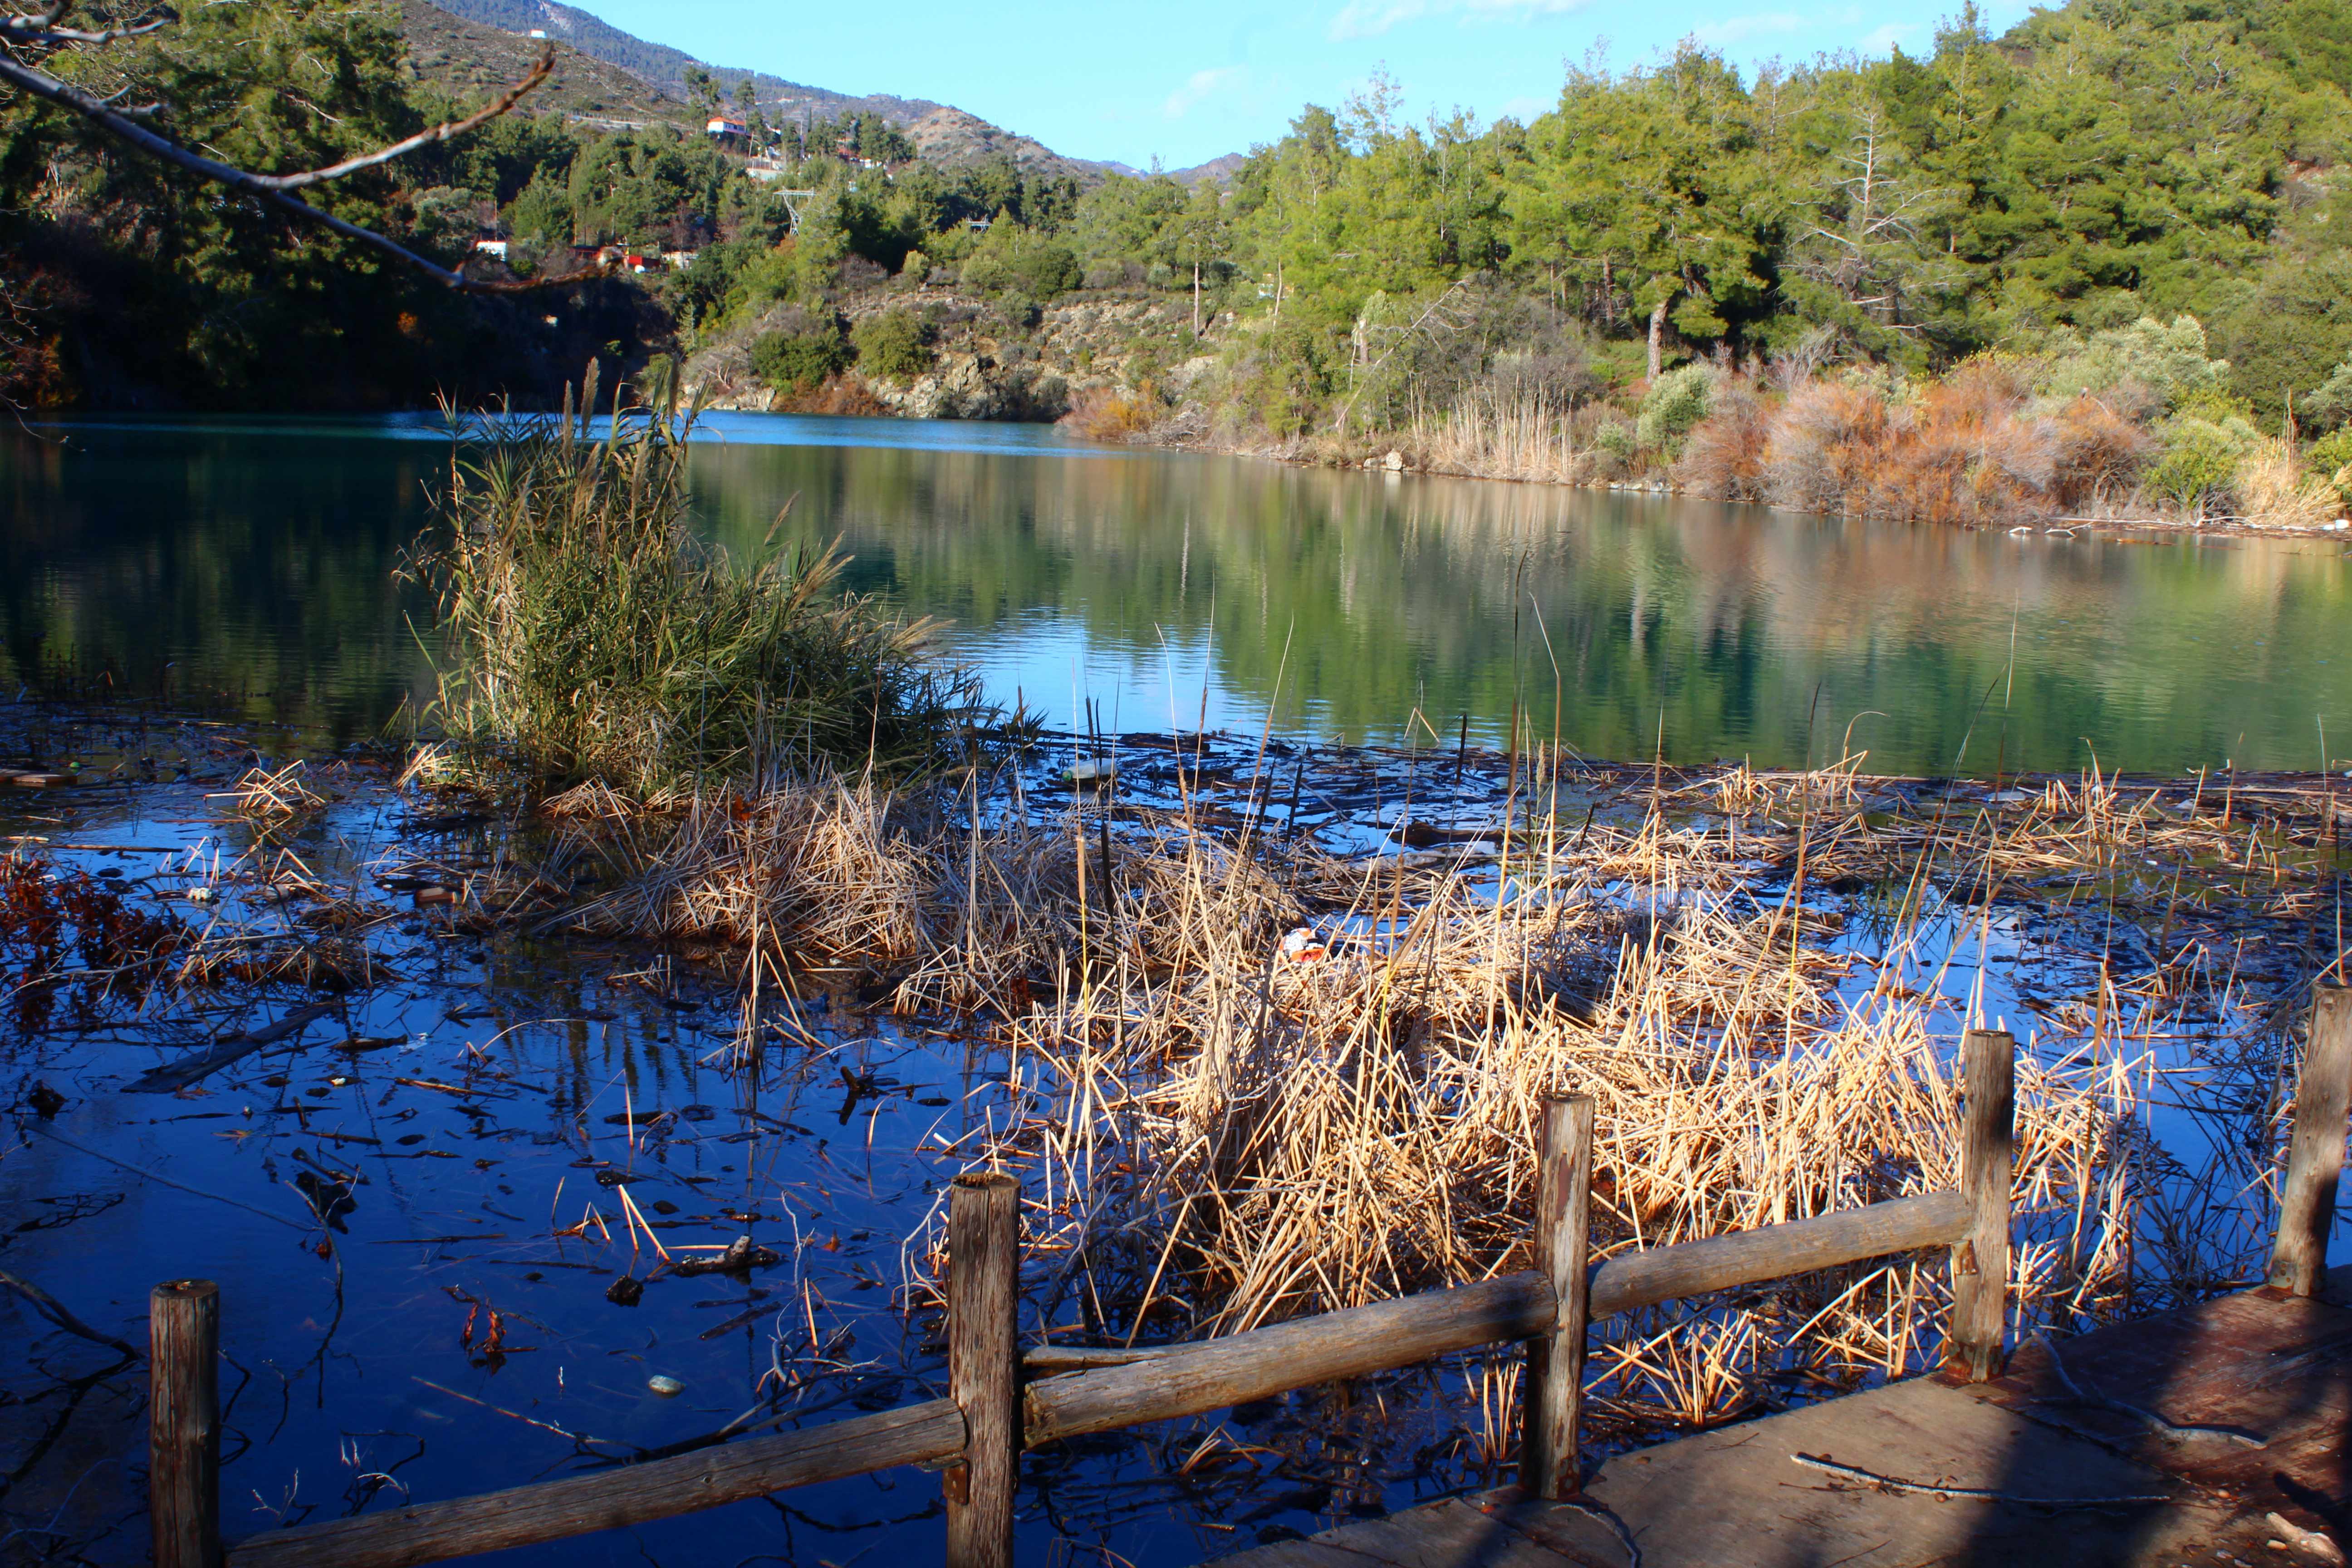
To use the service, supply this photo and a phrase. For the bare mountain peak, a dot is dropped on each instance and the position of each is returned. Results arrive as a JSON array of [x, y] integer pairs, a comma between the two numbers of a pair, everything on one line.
[[944, 134]]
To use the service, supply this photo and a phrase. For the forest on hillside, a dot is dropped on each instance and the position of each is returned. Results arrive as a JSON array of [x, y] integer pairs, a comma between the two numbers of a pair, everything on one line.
[[2125, 224]]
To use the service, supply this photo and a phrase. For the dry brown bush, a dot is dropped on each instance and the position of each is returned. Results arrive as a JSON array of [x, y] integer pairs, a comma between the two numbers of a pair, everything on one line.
[[1109, 414], [2100, 453], [1826, 445], [1971, 453], [1724, 457], [838, 394]]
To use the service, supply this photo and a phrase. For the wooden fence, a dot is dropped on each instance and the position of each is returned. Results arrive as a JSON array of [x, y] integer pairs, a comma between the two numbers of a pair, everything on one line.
[[993, 1412]]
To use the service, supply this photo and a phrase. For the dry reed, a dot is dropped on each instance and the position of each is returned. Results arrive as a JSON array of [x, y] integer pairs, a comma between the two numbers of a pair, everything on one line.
[[1222, 1129], [1498, 433], [275, 796], [2273, 490]]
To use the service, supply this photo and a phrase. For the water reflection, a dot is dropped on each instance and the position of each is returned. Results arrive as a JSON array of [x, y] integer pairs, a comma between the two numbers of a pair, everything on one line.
[[256, 558]]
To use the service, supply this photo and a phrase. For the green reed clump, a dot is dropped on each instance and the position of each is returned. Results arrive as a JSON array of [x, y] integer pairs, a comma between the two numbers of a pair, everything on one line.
[[596, 637]]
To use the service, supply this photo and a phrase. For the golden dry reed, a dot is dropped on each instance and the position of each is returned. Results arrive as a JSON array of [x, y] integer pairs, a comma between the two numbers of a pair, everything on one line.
[[1222, 1128]]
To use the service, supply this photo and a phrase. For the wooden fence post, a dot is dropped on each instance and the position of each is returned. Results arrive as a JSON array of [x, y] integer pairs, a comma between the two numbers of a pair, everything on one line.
[[2315, 1160], [183, 1423], [1553, 1396], [1988, 1163], [984, 1366]]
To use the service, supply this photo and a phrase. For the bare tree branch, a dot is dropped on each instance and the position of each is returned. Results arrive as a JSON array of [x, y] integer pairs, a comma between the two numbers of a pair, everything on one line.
[[30, 30], [276, 189], [441, 133]]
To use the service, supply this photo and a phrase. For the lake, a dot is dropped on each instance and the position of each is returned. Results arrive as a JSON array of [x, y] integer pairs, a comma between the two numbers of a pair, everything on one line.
[[250, 562], [380, 1195]]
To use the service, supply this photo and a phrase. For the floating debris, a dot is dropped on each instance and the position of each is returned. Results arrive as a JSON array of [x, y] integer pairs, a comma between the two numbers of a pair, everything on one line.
[[742, 1256]]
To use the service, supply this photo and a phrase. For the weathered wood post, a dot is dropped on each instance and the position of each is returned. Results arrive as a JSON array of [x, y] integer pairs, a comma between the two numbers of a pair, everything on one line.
[[1988, 1163], [183, 1423], [2315, 1160], [1554, 1391], [984, 1366]]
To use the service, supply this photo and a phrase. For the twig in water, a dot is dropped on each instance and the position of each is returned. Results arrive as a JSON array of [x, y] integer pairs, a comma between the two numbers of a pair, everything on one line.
[[49, 1306], [166, 1181], [582, 1438], [1984, 1494]]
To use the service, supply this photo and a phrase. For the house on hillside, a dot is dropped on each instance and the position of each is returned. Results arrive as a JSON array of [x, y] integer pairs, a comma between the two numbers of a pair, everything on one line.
[[728, 129]]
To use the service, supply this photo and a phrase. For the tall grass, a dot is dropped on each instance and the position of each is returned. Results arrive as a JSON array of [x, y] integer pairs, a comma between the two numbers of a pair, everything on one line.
[[2274, 491], [1494, 433], [595, 638]]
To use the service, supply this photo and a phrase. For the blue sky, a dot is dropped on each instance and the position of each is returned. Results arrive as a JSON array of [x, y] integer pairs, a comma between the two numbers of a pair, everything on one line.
[[1187, 83]]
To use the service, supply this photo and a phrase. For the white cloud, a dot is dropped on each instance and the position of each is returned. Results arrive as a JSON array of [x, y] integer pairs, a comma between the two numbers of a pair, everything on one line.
[[1739, 29], [1882, 40], [1202, 86], [1370, 18]]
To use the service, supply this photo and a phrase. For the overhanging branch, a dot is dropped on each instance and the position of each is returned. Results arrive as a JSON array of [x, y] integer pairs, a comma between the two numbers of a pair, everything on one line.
[[276, 189]]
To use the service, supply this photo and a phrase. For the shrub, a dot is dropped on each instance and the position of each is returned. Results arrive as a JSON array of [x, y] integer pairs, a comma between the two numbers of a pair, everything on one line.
[[2099, 454], [1014, 260], [2167, 361], [596, 639], [1724, 457], [2329, 407], [1675, 405], [1106, 414], [1616, 440], [797, 361], [2200, 458], [2331, 459], [1282, 378], [844, 394], [1969, 453], [892, 346], [1826, 444]]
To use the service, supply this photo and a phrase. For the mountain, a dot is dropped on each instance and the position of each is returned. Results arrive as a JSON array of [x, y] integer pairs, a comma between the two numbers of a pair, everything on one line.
[[1221, 170], [949, 136], [665, 68], [466, 60], [604, 74]]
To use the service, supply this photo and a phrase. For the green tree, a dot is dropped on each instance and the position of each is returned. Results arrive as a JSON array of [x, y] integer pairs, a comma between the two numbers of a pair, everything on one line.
[[892, 346], [797, 360]]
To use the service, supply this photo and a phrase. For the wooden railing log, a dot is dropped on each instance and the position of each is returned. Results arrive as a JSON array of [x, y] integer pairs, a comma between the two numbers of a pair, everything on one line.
[[608, 1499], [1987, 1170], [2315, 1161], [984, 1366], [1210, 1375], [1775, 1251], [184, 1423], [1553, 1388]]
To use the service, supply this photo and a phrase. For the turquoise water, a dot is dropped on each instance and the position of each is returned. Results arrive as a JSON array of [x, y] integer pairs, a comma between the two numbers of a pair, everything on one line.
[[251, 562]]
